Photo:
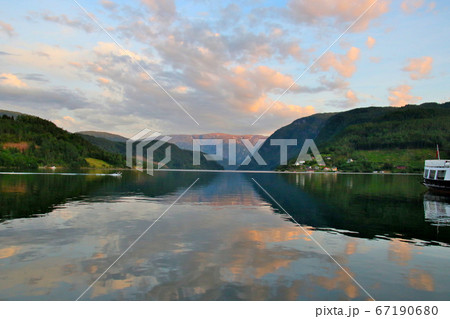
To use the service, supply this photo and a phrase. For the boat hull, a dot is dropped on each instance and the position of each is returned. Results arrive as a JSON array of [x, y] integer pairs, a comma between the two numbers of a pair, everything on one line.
[[437, 186]]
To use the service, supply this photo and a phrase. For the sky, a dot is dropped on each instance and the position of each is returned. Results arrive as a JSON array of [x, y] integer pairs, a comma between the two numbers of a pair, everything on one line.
[[200, 66]]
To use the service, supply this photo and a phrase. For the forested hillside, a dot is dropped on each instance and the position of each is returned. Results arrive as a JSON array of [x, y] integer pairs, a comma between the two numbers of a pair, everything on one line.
[[400, 139], [28, 142], [367, 139], [412, 126]]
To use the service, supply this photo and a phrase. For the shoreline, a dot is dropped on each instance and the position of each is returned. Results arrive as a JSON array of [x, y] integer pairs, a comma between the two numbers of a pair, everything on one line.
[[11, 172]]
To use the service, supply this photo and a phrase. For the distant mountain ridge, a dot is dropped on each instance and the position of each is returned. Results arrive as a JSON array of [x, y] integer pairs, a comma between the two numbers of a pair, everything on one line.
[[180, 158], [105, 135], [185, 142]]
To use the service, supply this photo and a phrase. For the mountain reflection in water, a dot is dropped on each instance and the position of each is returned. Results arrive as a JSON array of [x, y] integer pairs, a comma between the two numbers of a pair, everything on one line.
[[224, 240]]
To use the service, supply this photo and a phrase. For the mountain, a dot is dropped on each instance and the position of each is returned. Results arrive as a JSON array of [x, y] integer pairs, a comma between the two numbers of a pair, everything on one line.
[[185, 142], [395, 139], [10, 113], [411, 126], [301, 129], [105, 144], [370, 138], [28, 142], [180, 158], [104, 135]]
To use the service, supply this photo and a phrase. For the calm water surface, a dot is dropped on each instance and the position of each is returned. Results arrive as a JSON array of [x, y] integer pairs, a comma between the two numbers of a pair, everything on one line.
[[225, 239]]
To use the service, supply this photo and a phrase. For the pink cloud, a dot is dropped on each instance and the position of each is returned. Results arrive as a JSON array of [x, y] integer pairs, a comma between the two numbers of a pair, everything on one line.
[[103, 80], [370, 42], [279, 108], [11, 80], [66, 122], [259, 79], [163, 10], [296, 52], [7, 28], [419, 68], [342, 11], [291, 110], [400, 96], [251, 87], [343, 64], [410, 6], [108, 4], [351, 97], [181, 89], [270, 78], [431, 6], [75, 64]]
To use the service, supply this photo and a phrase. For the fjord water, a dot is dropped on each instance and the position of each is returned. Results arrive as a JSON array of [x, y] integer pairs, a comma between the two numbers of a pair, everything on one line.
[[225, 239]]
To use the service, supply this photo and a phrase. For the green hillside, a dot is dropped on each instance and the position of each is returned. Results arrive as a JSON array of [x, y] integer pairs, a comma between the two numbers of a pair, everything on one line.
[[411, 126], [29, 142], [369, 139], [399, 139]]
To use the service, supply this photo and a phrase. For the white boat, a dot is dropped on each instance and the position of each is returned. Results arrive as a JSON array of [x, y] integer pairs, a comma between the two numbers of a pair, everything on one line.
[[117, 174], [436, 175]]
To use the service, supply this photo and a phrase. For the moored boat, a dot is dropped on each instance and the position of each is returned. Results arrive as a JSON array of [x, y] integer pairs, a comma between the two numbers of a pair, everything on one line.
[[436, 176]]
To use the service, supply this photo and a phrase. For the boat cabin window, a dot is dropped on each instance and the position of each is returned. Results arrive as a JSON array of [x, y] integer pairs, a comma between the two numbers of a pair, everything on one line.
[[440, 175], [432, 174], [425, 174]]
